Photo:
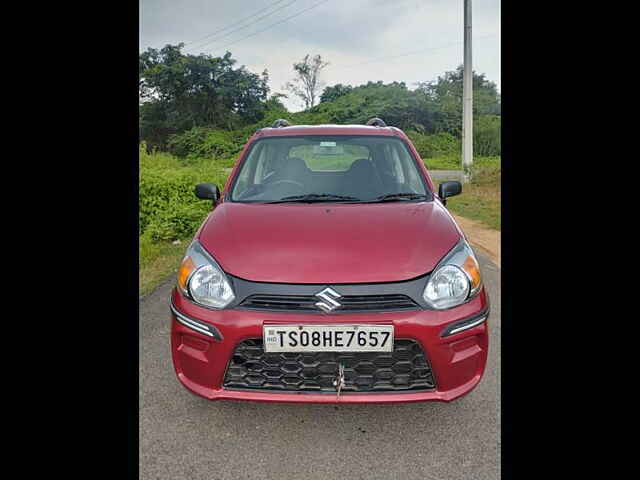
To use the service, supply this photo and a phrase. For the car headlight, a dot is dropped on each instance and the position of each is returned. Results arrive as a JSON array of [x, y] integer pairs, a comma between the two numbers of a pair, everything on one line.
[[201, 279], [455, 279]]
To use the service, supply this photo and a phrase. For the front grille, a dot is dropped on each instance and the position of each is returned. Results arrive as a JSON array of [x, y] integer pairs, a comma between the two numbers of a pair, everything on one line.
[[404, 369], [350, 303]]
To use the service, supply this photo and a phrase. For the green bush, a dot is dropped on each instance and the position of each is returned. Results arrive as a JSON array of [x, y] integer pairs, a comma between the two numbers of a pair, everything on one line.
[[486, 141], [178, 223], [203, 143], [160, 193], [486, 135], [437, 145], [208, 143], [168, 208]]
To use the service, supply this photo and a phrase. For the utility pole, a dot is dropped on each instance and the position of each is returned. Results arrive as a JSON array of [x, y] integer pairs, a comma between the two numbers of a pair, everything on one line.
[[467, 96]]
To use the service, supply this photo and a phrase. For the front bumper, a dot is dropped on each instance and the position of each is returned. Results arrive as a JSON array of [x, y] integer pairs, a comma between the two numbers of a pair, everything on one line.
[[457, 361]]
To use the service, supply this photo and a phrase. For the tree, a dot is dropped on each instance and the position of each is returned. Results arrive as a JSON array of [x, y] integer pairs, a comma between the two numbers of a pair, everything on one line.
[[445, 98], [329, 94], [486, 135], [393, 102], [307, 83], [179, 92], [274, 102]]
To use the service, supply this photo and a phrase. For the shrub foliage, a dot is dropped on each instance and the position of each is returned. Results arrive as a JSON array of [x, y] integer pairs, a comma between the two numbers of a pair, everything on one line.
[[168, 208]]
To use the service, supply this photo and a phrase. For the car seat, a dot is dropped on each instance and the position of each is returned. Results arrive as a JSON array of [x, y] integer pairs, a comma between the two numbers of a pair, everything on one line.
[[362, 180], [294, 169]]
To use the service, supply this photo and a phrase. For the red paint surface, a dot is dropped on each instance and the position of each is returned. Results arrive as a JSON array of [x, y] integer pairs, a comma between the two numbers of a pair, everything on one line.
[[330, 244], [456, 372]]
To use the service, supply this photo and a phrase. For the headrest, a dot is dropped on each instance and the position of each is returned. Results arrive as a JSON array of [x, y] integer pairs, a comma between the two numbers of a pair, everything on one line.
[[361, 164], [294, 162]]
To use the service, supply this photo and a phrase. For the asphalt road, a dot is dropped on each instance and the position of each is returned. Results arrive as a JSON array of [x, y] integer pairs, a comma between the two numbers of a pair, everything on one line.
[[187, 437]]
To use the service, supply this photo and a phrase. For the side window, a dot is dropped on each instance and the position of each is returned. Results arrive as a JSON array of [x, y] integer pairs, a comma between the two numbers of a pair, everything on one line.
[[248, 172], [411, 178], [243, 180], [414, 181], [259, 168], [269, 161], [265, 165], [396, 164], [268, 164]]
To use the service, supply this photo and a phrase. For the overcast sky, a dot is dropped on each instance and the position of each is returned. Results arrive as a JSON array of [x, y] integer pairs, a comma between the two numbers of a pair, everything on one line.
[[388, 40]]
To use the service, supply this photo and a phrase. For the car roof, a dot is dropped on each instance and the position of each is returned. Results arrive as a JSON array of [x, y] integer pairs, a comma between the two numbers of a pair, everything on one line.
[[331, 129]]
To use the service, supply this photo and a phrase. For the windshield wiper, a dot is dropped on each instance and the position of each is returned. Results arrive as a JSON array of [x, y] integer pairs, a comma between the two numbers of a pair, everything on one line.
[[395, 197], [315, 197]]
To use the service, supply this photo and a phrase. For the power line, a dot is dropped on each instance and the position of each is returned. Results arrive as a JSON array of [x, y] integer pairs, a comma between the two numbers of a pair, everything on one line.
[[277, 23], [241, 27], [416, 52], [235, 23]]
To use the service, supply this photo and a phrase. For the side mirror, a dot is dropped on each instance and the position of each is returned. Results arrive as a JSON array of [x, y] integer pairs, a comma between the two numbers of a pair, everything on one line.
[[207, 191], [449, 189]]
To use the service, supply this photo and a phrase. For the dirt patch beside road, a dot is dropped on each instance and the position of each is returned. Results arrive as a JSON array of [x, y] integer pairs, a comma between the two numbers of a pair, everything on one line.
[[481, 237]]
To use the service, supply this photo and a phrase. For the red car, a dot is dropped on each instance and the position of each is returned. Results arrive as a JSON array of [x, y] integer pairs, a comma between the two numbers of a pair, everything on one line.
[[329, 271]]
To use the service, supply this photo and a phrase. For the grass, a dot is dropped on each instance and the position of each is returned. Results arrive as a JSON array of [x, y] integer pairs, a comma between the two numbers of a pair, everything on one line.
[[449, 162], [157, 262], [480, 198], [454, 162]]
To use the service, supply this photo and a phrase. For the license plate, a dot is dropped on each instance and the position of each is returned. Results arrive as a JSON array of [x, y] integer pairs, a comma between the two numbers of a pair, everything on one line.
[[328, 338]]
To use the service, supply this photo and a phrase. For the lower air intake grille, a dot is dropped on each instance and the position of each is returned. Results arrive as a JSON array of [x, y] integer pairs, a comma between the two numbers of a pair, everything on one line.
[[404, 369]]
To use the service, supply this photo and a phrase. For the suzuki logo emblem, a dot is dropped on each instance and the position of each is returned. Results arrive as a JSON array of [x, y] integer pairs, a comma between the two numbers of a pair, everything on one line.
[[329, 296]]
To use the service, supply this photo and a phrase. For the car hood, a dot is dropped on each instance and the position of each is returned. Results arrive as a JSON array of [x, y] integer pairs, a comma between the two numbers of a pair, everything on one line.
[[326, 243]]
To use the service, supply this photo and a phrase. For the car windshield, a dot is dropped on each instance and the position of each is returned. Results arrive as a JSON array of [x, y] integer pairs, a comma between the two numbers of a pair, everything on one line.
[[329, 169]]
